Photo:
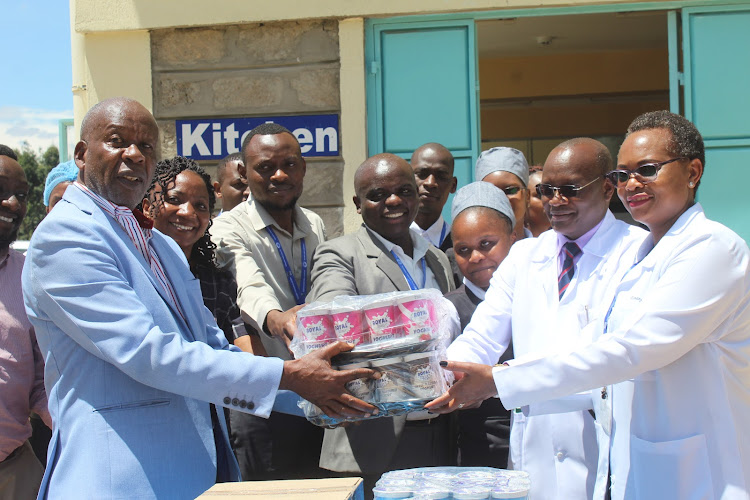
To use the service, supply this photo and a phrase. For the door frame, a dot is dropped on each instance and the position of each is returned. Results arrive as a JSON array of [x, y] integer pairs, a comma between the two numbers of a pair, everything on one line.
[[374, 25]]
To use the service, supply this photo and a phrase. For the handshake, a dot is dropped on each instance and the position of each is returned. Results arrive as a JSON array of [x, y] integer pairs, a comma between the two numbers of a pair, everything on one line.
[[313, 378]]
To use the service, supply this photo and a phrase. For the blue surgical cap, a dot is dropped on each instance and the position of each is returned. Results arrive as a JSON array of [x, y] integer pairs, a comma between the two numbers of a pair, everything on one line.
[[64, 172]]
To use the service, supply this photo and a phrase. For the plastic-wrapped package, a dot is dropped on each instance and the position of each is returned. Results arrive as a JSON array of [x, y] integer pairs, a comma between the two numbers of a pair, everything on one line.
[[402, 335], [453, 483]]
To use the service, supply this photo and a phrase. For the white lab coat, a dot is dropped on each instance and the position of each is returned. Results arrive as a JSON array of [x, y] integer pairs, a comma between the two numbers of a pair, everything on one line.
[[555, 443], [677, 349]]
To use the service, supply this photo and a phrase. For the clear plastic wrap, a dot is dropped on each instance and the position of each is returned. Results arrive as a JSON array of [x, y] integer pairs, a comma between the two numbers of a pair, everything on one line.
[[453, 483], [403, 335]]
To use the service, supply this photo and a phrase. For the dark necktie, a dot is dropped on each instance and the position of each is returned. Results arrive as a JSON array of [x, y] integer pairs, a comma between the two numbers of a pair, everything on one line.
[[571, 252]]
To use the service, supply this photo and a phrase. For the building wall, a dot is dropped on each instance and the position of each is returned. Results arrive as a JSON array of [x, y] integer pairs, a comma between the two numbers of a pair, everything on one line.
[[258, 69], [222, 59]]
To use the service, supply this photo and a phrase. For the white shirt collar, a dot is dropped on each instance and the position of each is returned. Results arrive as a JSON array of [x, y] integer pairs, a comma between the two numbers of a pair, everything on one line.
[[421, 245], [474, 289], [432, 233]]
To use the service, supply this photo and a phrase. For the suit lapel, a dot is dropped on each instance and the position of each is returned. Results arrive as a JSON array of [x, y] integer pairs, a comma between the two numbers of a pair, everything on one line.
[[86, 205], [437, 269], [186, 288]]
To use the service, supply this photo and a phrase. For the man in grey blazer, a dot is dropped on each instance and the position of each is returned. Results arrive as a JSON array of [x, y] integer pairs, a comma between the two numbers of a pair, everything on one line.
[[383, 256]]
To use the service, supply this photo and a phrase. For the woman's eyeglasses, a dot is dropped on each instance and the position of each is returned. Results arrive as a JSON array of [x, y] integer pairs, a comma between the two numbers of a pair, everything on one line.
[[567, 191], [643, 174]]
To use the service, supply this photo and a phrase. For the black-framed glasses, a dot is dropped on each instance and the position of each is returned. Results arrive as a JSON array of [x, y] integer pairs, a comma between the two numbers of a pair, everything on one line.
[[644, 174], [567, 191]]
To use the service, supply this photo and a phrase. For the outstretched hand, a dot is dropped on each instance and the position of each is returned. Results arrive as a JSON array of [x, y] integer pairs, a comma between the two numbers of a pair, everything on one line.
[[475, 384], [283, 325], [312, 377]]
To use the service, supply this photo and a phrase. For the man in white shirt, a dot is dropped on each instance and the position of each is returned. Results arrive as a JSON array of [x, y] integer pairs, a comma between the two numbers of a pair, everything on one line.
[[543, 296], [433, 170], [268, 242]]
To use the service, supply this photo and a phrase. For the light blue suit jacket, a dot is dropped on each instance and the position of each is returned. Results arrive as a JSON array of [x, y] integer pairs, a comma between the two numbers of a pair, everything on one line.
[[128, 380]]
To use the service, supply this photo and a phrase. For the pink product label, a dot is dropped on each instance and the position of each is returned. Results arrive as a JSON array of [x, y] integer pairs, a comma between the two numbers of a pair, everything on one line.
[[418, 317], [382, 323], [313, 345], [418, 311], [318, 327], [422, 331], [349, 326]]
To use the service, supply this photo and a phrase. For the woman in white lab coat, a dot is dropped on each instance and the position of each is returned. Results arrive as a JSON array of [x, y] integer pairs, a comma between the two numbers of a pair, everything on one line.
[[675, 342]]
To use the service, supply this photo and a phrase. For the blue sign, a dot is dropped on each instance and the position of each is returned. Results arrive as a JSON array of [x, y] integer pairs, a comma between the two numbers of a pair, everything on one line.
[[214, 138]]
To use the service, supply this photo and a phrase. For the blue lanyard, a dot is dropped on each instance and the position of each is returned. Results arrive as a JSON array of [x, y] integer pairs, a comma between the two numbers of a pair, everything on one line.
[[442, 233], [299, 292], [409, 279]]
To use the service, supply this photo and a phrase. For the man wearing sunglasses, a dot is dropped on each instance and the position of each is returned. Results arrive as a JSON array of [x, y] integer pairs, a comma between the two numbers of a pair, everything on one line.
[[543, 296]]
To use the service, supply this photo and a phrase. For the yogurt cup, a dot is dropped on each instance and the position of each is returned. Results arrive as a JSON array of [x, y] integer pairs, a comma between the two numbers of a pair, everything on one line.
[[425, 376], [418, 318], [361, 388], [471, 493], [510, 492], [349, 325], [316, 324], [380, 316], [389, 388]]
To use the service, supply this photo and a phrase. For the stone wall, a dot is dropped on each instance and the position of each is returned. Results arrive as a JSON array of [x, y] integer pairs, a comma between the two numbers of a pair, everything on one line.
[[261, 69]]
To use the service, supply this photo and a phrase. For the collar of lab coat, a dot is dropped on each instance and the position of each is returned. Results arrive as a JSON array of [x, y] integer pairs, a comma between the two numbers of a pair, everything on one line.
[[672, 236], [546, 251]]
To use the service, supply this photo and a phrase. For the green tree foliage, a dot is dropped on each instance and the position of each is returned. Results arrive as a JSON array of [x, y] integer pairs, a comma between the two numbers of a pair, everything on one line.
[[36, 165]]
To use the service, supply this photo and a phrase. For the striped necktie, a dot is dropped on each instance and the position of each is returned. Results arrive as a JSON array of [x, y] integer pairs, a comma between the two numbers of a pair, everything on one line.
[[571, 252]]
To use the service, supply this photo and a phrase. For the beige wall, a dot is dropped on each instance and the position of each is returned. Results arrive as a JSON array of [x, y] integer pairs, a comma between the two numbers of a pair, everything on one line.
[[611, 72], [257, 69], [132, 47], [568, 95], [108, 15]]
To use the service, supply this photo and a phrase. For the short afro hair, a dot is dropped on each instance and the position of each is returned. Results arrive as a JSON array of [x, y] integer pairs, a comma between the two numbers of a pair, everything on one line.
[[685, 140], [7, 151], [266, 129]]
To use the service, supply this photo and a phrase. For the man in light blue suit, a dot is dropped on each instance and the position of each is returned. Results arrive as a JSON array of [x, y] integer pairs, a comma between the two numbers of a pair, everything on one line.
[[133, 358]]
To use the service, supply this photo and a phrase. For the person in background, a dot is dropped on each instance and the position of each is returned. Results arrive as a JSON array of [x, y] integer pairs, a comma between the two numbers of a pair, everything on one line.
[[507, 169], [433, 170], [179, 202], [231, 184], [8, 151], [483, 223], [545, 296], [21, 363], [536, 220], [58, 179], [134, 355], [267, 243], [383, 256]]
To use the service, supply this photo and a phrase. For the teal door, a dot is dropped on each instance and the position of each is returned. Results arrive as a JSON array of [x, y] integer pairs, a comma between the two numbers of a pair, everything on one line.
[[716, 64], [422, 86]]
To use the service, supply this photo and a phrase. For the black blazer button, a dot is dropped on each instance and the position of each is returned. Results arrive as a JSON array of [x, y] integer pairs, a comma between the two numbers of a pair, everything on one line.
[[236, 402], [250, 405], [243, 404], [227, 400]]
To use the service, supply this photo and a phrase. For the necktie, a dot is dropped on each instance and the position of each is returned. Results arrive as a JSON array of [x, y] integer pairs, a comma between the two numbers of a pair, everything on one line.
[[571, 252]]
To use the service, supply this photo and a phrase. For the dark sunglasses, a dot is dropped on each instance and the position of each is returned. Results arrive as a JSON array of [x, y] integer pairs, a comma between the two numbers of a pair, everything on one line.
[[511, 190], [567, 191], [643, 174]]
